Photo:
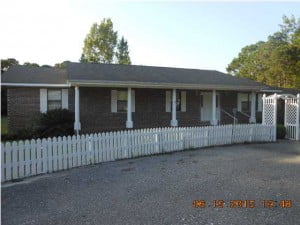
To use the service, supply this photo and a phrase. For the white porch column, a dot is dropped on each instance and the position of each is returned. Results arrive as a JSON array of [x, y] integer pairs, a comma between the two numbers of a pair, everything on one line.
[[252, 118], [214, 120], [77, 125], [297, 117], [129, 123], [263, 110], [174, 122]]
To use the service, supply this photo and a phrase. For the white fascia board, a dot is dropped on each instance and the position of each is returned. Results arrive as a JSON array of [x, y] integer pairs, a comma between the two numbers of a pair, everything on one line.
[[125, 84], [34, 85]]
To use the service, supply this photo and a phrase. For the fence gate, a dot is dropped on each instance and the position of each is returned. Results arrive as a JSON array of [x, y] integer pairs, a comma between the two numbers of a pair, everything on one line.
[[291, 114], [291, 117], [269, 114]]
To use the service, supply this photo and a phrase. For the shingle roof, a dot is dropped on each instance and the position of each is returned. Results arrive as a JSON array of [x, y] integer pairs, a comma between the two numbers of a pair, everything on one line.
[[132, 73], [93, 73], [34, 75]]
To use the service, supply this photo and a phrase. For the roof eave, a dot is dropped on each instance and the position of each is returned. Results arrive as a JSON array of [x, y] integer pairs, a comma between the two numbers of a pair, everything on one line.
[[125, 84], [34, 85]]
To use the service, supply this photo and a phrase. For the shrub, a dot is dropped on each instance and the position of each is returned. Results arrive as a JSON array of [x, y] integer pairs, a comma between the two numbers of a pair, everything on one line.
[[280, 131], [21, 134], [58, 122]]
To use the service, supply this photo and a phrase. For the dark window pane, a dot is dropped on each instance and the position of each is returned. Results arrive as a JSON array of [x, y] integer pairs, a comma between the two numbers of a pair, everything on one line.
[[245, 106], [54, 99], [122, 106], [54, 105]]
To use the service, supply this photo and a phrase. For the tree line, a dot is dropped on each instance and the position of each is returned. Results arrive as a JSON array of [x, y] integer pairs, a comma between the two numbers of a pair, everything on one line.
[[274, 62]]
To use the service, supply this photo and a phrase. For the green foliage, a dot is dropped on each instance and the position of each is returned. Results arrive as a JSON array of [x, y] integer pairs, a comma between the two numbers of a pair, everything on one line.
[[6, 63], [61, 65], [100, 43], [21, 134], [275, 62], [31, 64], [280, 131], [122, 53], [4, 125], [56, 122]]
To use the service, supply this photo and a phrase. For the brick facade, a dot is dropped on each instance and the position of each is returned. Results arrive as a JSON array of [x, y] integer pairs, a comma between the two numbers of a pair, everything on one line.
[[23, 106], [95, 108]]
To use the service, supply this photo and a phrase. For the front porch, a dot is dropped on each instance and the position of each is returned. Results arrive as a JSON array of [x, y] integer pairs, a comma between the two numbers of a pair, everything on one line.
[[100, 109]]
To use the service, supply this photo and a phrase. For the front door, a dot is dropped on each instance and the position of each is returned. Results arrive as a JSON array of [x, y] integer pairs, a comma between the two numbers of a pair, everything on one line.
[[206, 106]]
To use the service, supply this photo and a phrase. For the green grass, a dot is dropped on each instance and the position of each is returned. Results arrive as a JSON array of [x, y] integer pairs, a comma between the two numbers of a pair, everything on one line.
[[4, 127]]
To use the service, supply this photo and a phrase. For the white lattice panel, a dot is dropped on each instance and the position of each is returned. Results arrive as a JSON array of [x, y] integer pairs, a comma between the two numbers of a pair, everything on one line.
[[292, 118], [269, 110]]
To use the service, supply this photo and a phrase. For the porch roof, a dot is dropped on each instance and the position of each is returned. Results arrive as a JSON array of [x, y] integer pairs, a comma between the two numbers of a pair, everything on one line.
[[114, 75], [94, 74]]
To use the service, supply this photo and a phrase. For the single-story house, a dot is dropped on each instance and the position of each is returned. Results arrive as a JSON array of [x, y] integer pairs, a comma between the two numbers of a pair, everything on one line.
[[107, 97]]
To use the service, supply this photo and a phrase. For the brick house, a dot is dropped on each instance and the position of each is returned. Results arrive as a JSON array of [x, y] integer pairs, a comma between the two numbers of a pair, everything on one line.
[[108, 97]]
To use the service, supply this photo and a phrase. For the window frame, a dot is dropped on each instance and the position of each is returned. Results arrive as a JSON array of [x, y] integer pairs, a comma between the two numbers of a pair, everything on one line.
[[126, 101], [57, 89]]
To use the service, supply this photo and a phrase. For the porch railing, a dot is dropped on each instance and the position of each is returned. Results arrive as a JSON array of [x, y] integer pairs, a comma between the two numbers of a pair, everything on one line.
[[235, 120]]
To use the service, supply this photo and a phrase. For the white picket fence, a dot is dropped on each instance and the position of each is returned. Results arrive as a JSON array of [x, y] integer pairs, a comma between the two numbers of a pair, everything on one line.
[[28, 158]]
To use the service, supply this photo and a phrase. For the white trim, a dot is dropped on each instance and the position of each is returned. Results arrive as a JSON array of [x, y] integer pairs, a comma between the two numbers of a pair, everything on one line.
[[35, 85], [64, 98], [168, 101], [174, 122], [214, 120], [132, 100], [129, 123], [77, 124], [252, 118], [114, 107], [96, 83], [259, 102], [43, 100]]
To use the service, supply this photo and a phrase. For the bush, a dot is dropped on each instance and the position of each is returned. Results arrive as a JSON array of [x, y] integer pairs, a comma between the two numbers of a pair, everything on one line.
[[280, 131], [54, 123], [21, 134], [58, 122]]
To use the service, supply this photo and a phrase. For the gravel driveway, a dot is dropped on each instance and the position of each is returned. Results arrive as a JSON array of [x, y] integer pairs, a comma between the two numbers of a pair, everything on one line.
[[161, 189]]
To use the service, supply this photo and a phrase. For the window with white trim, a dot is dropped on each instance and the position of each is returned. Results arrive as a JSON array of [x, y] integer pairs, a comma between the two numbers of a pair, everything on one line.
[[54, 100], [122, 101], [180, 101], [244, 102], [259, 102], [119, 100]]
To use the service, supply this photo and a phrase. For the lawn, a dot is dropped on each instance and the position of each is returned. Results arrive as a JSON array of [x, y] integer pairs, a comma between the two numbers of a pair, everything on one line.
[[4, 127]]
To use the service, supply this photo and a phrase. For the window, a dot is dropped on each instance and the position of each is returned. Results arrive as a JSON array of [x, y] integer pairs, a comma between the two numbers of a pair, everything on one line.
[[259, 102], [122, 101], [180, 101], [54, 100], [244, 102], [119, 100]]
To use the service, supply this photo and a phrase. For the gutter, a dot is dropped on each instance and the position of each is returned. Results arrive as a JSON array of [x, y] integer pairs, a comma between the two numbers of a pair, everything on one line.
[[126, 84], [34, 85]]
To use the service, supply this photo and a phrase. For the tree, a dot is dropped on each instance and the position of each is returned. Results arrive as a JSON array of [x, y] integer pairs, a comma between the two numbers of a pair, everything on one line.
[[100, 43], [31, 64], [122, 54], [6, 63], [275, 62], [61, 65]]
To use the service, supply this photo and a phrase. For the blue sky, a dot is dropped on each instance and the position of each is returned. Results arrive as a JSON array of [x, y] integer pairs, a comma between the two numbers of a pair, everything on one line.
[[193, 35]]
